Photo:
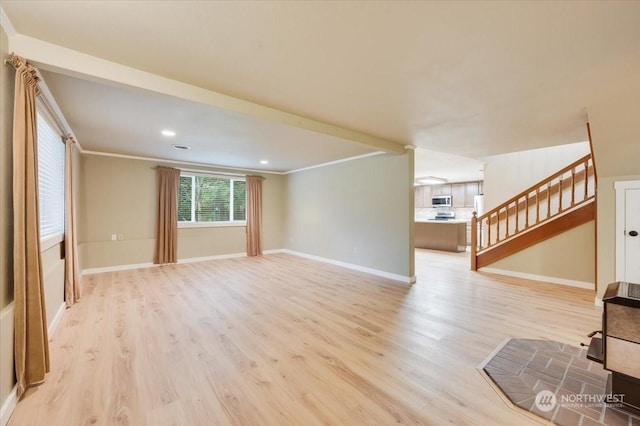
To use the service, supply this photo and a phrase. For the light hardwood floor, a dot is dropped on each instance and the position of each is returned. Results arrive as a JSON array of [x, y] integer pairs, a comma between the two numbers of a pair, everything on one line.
[[279, 340]]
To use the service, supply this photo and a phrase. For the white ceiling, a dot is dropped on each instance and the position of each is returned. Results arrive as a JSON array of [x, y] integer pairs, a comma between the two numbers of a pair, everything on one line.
[[123, 120], [451, 167], [465, 78]]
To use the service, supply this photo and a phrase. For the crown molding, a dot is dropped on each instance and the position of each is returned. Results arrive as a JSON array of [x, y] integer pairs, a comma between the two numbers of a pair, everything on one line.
[[6, 24], [186, 163], [357, 157]]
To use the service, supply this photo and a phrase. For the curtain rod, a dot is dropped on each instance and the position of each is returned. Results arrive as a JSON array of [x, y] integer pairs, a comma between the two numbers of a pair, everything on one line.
[[211, 172], [11, 61], [42, 100]]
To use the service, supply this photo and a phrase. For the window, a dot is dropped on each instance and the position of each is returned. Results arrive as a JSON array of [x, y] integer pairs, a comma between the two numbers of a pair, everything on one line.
[[211, 199], [50, 182]]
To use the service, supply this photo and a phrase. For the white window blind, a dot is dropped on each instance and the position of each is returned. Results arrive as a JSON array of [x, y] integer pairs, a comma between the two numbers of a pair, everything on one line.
[[50, 180], [211, 199]]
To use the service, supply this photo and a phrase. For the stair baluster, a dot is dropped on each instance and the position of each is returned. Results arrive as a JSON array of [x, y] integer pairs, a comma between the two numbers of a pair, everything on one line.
[[507, 215]]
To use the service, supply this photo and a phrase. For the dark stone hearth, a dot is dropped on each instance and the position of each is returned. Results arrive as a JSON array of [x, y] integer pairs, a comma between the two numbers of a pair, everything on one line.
[[524, 367]]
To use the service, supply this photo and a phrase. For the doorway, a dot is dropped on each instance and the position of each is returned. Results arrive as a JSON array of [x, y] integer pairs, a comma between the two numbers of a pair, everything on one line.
[[628, 231]]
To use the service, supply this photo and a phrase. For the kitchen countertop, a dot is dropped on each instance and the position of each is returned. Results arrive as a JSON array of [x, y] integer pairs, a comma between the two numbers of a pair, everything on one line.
[[441, 221]]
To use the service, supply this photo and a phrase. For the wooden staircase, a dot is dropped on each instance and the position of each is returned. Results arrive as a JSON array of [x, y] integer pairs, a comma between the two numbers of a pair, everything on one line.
[[562, 201]]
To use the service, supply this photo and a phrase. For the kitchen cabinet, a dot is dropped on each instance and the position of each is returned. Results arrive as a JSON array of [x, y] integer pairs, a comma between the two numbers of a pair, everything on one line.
[[417, 192], [422, 196], [444, 189], [426, 196], [458, 195], [471, 190], [461, 193]]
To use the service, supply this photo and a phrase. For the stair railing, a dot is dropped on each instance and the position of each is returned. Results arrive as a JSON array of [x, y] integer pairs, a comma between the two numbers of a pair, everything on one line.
[[554, 196]]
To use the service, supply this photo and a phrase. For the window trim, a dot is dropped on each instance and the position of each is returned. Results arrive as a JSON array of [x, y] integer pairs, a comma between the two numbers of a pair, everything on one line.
[[227, 224], [218, 224], [51, 241]]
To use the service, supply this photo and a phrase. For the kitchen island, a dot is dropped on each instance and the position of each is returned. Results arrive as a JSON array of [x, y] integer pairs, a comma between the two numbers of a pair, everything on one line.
[[447, 235]]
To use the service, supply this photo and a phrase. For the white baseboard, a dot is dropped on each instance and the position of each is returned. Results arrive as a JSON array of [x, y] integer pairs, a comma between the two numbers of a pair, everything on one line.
[[598, 301], [395, 277], [274, 251], [151, 265], [552, 280], [11, 400], [56, 319], [216, 257], [117, 268], [8, 406], [7, 310]]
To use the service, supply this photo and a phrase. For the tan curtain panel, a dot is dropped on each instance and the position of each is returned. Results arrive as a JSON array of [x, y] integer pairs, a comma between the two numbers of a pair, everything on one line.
[[167, 224], [254, 215], [71, 271], [31, 342]]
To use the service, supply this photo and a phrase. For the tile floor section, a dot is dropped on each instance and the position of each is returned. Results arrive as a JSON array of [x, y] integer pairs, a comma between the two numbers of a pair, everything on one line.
[[524, 367]]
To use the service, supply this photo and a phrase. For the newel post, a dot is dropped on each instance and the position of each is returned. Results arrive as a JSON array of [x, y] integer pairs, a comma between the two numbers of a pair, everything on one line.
[[474, 241]]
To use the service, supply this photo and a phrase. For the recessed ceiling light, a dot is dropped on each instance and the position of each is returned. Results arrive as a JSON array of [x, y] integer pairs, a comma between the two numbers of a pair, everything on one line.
[[168, 133], [264, 161], [180, 146], [430, 180]]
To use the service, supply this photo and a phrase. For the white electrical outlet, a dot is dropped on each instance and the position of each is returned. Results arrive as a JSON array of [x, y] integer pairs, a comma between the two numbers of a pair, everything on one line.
[[114, 237]]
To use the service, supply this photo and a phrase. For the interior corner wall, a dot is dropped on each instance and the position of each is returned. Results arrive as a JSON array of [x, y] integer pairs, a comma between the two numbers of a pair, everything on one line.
[[7, 375], [358, 212], [76, 185], [615, 134], [118, 196]]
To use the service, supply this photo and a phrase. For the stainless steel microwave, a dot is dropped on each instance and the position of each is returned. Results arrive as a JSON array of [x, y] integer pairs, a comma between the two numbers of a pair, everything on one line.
[[441, 201]]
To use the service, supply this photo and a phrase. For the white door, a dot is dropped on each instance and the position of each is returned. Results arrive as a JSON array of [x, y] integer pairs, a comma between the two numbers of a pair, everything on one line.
[[632, 236], [628, 231]]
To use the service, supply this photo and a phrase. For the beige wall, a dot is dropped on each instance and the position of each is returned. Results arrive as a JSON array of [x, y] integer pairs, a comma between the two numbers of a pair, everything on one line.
[[524, 169], [118, 196], [358, 212], [559, 257], [615, 132], [7, 379], [569, 256], [6, 205]]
